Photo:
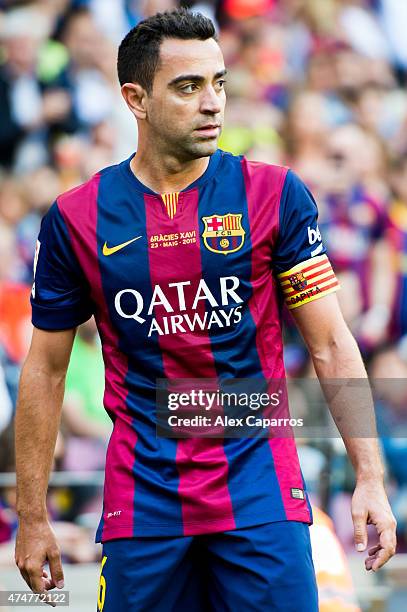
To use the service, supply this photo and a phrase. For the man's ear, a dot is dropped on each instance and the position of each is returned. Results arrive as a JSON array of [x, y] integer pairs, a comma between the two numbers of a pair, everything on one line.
[[135, 97]]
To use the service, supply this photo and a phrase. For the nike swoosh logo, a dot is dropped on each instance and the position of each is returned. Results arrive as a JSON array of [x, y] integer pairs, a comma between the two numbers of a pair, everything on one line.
[[110, 250]]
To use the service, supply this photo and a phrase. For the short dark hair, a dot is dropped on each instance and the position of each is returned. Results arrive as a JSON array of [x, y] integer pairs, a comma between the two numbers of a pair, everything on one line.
[[139, 51]]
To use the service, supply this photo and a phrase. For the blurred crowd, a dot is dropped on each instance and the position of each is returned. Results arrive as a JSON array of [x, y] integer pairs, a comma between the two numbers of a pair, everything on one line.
[[318, 85]]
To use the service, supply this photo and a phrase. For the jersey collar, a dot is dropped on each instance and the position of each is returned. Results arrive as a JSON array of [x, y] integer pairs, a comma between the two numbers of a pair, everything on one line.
[[214, 162]]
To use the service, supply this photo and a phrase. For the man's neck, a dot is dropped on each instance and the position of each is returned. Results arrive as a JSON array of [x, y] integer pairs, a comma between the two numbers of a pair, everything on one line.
[[166, 174]]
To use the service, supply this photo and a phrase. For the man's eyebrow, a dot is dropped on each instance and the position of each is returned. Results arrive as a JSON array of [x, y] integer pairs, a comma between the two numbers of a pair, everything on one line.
[[221, 73], [197, 78]]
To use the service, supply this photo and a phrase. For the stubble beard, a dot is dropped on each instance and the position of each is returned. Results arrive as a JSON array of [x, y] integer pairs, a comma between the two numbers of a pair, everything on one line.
[[185, 147], [195, 147]]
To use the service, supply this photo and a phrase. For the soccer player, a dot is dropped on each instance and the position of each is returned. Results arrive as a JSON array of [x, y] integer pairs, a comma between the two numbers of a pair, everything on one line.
[[183, 253]]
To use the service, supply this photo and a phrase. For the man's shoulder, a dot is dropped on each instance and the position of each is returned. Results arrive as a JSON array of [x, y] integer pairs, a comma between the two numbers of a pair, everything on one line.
[[270, 170], [263, 173], [255, 167], [84, 195]]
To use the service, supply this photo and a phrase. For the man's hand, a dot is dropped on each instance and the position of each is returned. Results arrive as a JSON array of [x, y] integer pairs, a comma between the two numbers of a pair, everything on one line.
[[370, 506], [35, 546]]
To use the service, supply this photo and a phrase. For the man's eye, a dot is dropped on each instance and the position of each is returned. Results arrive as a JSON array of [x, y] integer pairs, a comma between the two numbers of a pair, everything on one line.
[[221, 83], [189, 88]]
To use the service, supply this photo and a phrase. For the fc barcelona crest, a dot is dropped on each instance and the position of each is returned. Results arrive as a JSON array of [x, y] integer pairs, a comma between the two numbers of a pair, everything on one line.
[[298, 281], [223, 233]]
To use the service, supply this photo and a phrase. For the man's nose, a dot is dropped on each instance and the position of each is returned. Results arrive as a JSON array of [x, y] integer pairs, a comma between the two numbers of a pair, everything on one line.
[[210, 101]]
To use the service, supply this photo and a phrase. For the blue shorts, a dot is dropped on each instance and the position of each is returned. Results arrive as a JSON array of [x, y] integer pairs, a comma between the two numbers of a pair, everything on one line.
[[257, 569]]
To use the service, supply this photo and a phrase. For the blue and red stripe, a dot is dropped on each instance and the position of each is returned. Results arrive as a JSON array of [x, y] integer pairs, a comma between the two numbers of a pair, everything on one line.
[[201, 462]]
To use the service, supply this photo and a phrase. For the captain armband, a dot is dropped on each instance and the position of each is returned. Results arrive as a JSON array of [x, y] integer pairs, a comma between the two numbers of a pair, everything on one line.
[[308, 281]]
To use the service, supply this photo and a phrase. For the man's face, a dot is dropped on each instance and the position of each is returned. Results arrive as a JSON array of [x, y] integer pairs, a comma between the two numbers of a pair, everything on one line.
[[186, 106]]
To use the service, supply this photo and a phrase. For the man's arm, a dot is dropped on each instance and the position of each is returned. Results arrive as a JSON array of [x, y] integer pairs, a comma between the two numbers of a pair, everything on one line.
[[335, 355], [37, 420]]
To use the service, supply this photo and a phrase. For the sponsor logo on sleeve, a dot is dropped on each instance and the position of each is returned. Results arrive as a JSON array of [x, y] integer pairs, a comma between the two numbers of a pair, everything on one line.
[[37, 252], [314, 235]]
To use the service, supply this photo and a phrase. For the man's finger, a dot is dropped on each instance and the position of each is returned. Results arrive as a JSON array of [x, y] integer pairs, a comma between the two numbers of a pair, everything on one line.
[[360, 531], [388, 538], [374, 549], [35, 576], [388, 547], [381, 558], [369, 562], [55, 566], [26, 577], [38, 582], [49, 583]]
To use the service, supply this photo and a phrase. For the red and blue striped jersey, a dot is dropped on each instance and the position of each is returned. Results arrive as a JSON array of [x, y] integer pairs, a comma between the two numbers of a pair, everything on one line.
[[186, 285]]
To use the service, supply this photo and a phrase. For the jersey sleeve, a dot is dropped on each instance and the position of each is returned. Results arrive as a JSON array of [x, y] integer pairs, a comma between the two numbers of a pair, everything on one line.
[[300, 260], [60, 296]]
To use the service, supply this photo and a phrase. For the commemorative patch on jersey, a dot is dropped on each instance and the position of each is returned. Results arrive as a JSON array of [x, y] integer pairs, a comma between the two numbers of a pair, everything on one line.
[[308, 281], [223, 233]]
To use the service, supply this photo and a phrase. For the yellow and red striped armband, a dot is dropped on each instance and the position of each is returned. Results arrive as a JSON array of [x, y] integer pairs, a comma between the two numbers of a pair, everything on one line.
[[308, 281]]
